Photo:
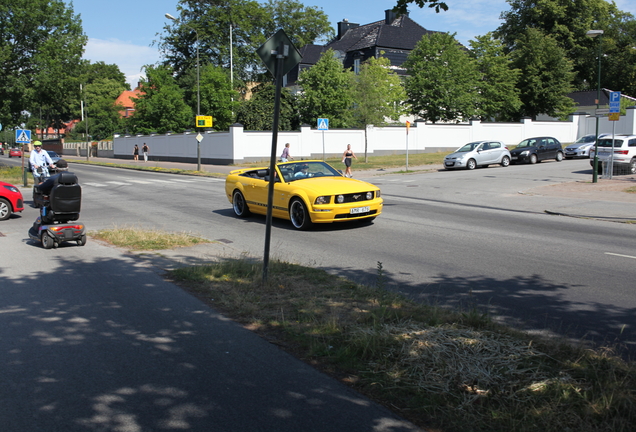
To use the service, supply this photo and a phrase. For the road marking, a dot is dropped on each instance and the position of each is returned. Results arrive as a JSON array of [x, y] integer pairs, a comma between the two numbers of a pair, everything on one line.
[[119, 183], [138, 181], [94, 184], [619, 255], [183, 181]]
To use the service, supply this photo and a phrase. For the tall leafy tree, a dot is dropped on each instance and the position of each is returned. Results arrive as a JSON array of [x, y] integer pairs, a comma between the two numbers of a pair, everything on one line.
[[250, 24], [41, 43], [257, 113], [303, 24], [378, 95], [217, 98], [103, 117], [161, 108], [567, 22], [546, 78], [442, 80], [498, 95], [327, 92]]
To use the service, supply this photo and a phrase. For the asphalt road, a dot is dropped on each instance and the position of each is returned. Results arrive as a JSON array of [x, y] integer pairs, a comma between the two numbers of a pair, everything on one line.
[[108, 325], [94, 339]]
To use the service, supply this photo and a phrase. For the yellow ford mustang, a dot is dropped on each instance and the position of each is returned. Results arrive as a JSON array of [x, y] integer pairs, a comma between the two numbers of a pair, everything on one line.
[[310, 192]]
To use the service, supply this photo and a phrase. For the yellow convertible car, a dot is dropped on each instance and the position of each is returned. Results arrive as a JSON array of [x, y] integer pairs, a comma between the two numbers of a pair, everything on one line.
[[305, 193]]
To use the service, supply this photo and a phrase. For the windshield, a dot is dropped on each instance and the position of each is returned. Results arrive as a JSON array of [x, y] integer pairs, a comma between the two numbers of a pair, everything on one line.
[[608, 142], [302, 170], [52, 153], [528, 143], [468, 147], [586, 139]]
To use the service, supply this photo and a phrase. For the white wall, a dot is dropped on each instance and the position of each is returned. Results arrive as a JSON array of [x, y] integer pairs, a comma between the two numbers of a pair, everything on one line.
[[238, 145]]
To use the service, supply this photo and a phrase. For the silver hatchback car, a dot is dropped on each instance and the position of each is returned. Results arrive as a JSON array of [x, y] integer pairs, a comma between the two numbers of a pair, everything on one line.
[[478, 153]]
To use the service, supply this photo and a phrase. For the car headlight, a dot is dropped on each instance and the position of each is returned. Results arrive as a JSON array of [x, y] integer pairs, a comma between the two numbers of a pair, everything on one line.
[[322, 200], [340, 199], [12, 188], [524, 153], [369, 195]]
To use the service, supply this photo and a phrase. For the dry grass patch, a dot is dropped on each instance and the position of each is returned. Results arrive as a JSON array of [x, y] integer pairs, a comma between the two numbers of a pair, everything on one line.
[[142, 239], [455, 371]]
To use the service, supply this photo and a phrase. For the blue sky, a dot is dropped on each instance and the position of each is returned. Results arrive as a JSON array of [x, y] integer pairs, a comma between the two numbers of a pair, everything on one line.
[[122, 31]]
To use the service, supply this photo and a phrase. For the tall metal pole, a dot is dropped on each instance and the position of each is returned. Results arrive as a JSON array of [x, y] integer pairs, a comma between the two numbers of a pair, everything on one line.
[[593, 34], [280, 58]]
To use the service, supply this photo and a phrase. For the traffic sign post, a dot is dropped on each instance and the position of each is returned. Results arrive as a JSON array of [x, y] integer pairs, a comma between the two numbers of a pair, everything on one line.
[[279, 55], [323, 125], [615, 102]]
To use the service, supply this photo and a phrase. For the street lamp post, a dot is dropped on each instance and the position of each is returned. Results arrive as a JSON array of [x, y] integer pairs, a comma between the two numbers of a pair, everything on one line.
[[593, 34], [170, 17]]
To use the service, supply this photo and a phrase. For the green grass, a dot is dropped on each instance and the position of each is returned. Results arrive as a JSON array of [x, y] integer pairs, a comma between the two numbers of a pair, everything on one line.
[[140, 239], [13, 175], [444, 369]]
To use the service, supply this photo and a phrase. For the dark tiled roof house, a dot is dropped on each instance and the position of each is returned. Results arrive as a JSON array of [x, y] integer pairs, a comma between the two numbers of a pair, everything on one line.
[[395, 36]]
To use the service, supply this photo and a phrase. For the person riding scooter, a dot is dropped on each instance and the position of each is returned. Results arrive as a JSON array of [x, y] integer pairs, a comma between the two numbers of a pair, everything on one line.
[[46, 184], [39, 160]]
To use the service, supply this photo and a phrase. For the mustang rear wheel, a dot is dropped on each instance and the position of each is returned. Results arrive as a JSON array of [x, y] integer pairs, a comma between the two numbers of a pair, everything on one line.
[[299, 215], [239, 205]]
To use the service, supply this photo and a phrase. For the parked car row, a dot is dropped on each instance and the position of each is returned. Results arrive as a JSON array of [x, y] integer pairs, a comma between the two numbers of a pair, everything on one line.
[[484, 153]]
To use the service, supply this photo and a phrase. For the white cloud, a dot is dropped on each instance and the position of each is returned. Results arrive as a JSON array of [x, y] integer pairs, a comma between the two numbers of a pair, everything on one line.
[[129, 57]]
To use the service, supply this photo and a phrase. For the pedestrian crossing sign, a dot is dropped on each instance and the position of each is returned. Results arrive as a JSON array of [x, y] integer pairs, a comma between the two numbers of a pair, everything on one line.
[[23, 136], [323, 124]]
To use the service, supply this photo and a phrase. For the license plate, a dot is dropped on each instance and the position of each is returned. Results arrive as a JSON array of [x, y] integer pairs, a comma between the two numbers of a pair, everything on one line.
[[359, 210], [515, 158]]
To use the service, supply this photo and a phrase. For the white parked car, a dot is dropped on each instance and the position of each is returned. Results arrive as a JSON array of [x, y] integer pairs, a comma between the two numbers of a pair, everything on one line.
[[623, 154], [478, 153]]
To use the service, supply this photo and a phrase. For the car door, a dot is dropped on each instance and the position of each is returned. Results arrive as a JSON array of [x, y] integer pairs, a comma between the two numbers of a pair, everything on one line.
[[480, 154], [543, 151], [494, 152]]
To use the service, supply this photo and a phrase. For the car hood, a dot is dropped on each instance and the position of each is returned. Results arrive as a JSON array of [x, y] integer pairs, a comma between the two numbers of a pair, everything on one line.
[[457, 155], [577, 145], [333, 185]]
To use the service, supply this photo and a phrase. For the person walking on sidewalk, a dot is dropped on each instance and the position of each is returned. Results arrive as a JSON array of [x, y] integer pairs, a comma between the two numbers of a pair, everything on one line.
[[286, 156], [136, 153], [145, 149], [346, 158]]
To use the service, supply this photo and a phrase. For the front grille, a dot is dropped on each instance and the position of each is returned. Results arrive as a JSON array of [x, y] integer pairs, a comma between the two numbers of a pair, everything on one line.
[[357, 197], [356, 215]]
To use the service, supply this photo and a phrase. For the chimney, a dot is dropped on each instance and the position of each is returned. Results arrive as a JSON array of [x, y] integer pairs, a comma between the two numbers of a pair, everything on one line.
[[390, 16], [343, 26]]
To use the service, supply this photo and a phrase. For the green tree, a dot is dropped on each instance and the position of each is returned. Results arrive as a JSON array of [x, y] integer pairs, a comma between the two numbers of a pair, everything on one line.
[[327, 92], [402, 5], [498, 94], [546, 78], [217, 97], [251, 24], [302, 24], [257, 113], [378, 95], [567, 22], [442, 80], [160, 108], [102, 115], [41, 43]]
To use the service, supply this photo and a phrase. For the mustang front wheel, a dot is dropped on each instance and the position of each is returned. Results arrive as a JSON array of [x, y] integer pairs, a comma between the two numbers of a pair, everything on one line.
[[299, 215], [239, 205]]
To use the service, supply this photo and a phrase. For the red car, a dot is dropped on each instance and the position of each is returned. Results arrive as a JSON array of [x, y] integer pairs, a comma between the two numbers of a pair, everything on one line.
[[11, 200], [14, 152]]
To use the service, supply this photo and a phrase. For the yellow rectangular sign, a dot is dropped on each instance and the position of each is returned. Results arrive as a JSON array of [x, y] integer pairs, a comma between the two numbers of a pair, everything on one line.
[[204, 121], [614, 116]]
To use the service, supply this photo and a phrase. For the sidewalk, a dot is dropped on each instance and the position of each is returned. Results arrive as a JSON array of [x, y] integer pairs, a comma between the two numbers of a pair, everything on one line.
[[606, 200]]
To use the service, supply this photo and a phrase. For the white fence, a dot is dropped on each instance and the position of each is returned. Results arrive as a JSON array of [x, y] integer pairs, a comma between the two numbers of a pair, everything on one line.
[[238, 145]]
